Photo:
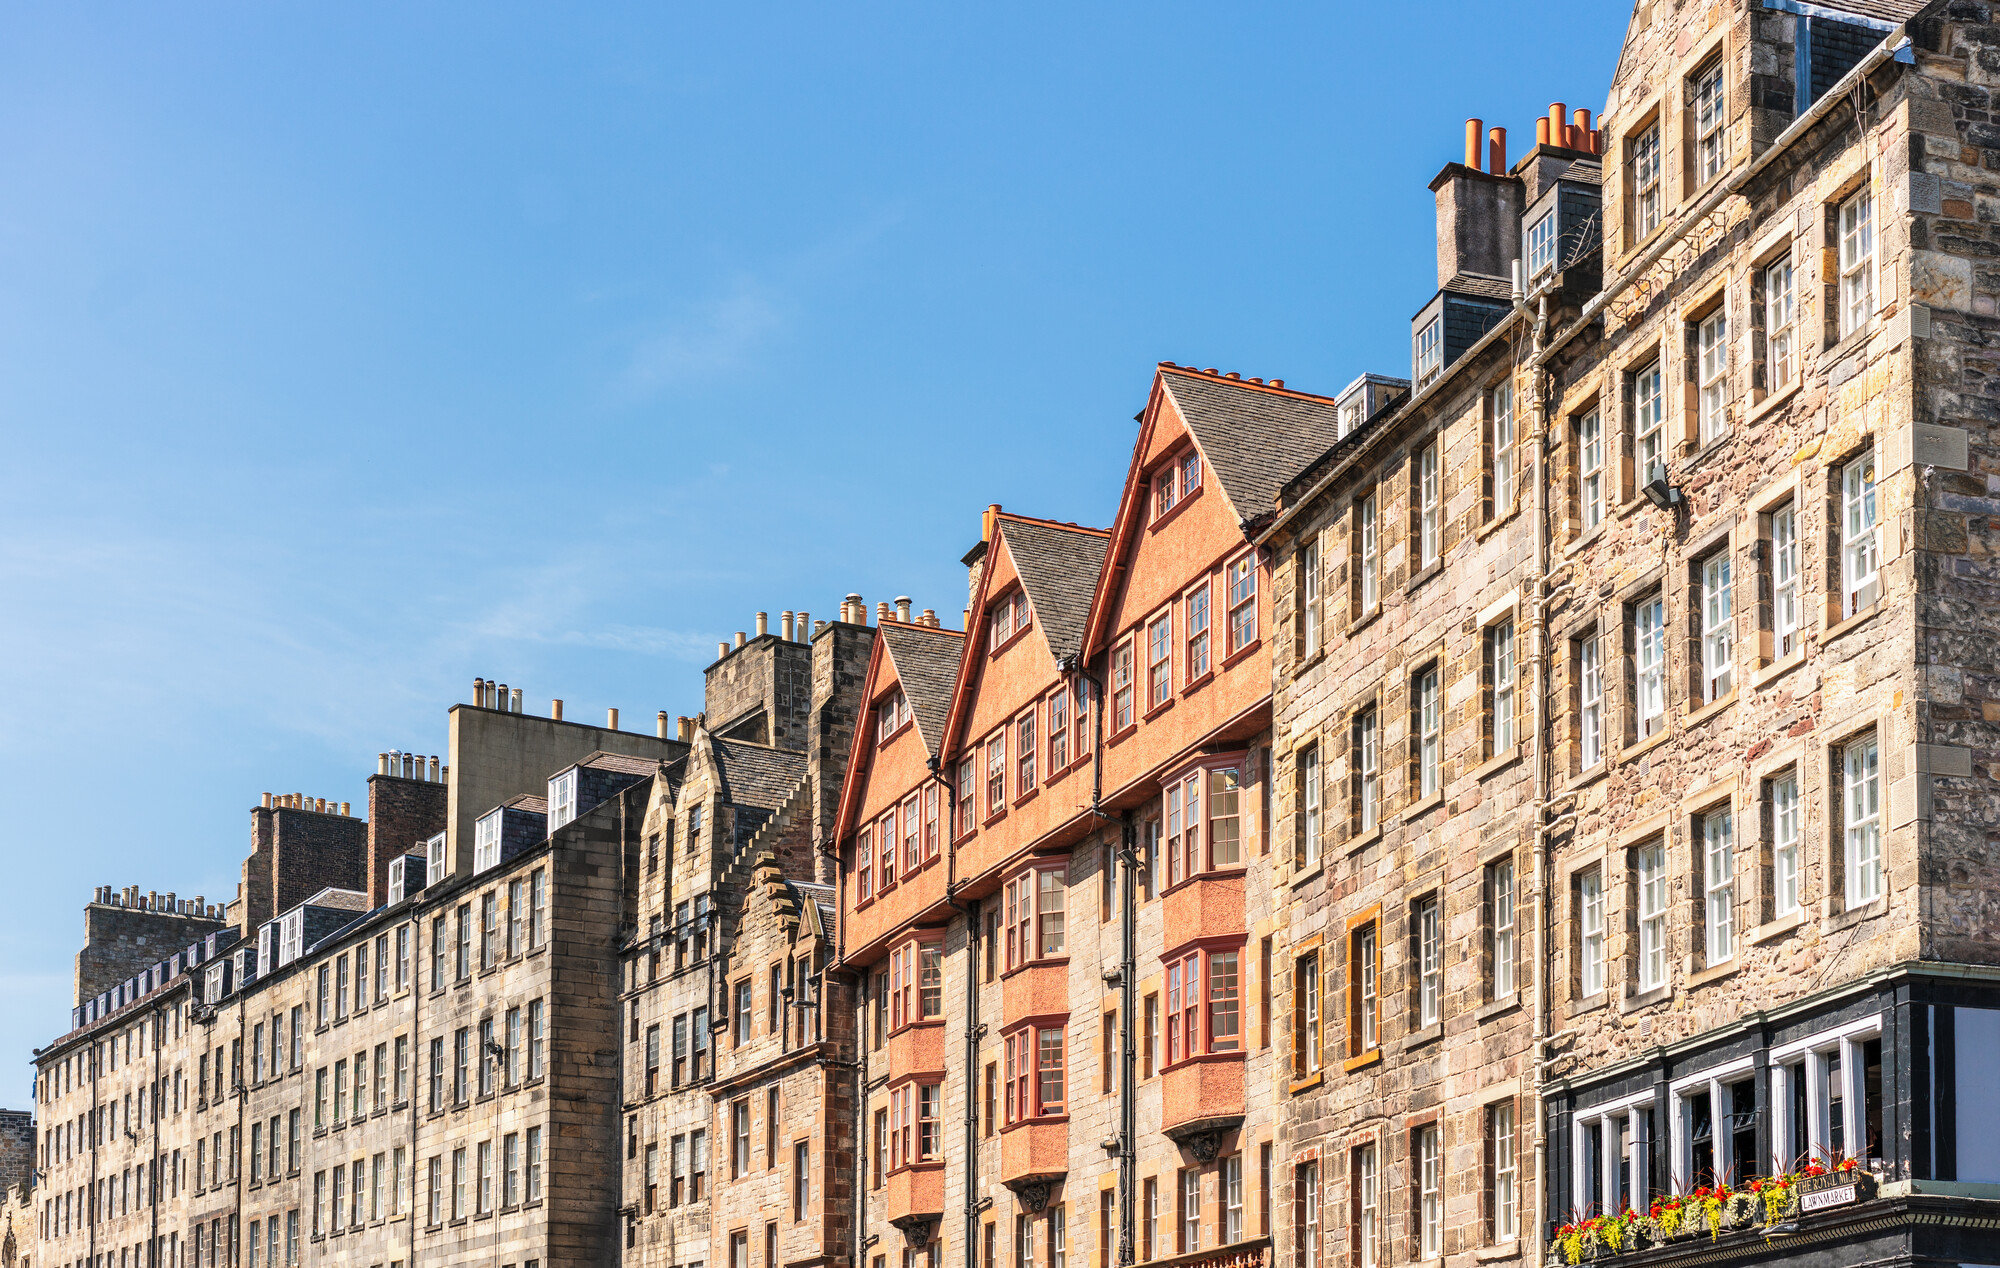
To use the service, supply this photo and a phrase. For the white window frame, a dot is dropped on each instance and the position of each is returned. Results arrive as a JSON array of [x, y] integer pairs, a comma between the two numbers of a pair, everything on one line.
[[1430, 961], [1717, 628], [1369, 725], [1370, 1206], [1857, 260], [486, 840], [1310, 606], [1312, 781], [1430, 731], [1808, 1057], [1232, 1199], [1861, 819], [1542, 246], [1590, 699], [1431, 518], [1786, 816], [1649, 424], [1628, 1112], [1644, 158], [1860, 535], [1590, 932], [1718, 852], [1430, 1191], [562, 799], [1430, 351], [1500, 879], [1712, 374], [1710, 137], [1780, 363], [1784, 580], [1371, 554], [1649, 628], [1590, 469], [1505, 1132], [1501, 650], [1502, 423], [1650, 862]]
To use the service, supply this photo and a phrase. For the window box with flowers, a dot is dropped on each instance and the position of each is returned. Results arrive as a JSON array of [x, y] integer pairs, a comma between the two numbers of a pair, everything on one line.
[[1708, 1211]]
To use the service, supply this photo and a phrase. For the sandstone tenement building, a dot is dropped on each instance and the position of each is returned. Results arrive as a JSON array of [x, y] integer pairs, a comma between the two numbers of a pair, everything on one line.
[[1534, 807]]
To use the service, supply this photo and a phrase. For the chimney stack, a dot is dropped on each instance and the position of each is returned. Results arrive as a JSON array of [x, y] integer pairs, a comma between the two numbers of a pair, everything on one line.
[[611, 719], [1478, 217]]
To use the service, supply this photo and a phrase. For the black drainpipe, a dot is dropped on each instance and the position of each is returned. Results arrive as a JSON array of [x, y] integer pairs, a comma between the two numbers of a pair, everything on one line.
[[973, 1030]]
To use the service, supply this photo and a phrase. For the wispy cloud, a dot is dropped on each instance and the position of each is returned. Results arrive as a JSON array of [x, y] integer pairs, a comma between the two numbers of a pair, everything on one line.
[[714, 338]]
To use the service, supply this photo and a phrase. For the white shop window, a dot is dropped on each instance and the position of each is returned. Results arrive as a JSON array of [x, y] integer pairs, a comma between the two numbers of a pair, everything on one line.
[[1706, 1110], [1610, 1146], [1826, 1096]]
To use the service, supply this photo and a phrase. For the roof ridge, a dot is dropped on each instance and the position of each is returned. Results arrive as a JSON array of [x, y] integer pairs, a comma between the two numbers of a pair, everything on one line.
[[1048, 523], [1271, 385]]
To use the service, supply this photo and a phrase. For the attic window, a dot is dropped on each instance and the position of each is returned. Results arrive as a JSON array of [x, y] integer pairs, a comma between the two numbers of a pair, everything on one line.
[[486, 841], [1176, 482], [562, 800], [1542, 245], [891, 716], [1430, 351], [1010, 616]]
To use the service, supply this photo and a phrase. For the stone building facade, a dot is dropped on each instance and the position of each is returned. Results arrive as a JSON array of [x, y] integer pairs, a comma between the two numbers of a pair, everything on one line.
[[1498, 814]]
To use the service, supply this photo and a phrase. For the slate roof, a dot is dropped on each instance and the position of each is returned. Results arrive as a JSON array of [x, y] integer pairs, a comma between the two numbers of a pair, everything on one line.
[[815, 901], [754, 775], [1880, 10], [926, 663], [1585, 172], [528, 802], [1255, 438], [1058, 564], [621, 762], [1481, 284]]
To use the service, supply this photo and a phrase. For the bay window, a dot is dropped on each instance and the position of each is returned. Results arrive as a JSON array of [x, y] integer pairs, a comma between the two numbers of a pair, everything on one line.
[[1035, 1073], [1035, 903], [1204, 1003]]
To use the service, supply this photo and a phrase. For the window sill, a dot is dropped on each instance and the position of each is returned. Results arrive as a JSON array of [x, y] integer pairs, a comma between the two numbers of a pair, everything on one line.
[[1715, 974], [1770, 403], [1308, 873], [1658, 995], [1423, 807], [1199, 681], [1708, 711], [1495, 1254], [1119, 737], [1362, 840], [1585, 777], [1303, 667], [1634, 752], [1776, 928], [1498, 1008], [1424, 574], [1011, 639], [1371, 1057], [1422, 1037], [1242, 653], [1044, 961], [1762, 678], [1698, 451], [1019, 801], [1173, 512], [1591, 1004], [1498, 521], [1859, 619], [1300, 1086], [1854, 915], [1591, 535], [1632, 251], [1497, 763], [991, 819], [1155, 710], [887, 740], [1363, 621]]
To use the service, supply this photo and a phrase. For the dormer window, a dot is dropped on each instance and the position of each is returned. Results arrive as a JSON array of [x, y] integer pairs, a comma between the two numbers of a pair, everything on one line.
[[291, 935], [1176, 482], [1430, 351], [1542, 245], [562, 800], [891, 716], [434, 868], [1350, 416], [1010, 616], [486, 841]]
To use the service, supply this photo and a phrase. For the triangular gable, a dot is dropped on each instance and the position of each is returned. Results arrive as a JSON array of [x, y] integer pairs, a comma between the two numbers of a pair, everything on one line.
[[925, 659], [1058, 566], [1252, 438]]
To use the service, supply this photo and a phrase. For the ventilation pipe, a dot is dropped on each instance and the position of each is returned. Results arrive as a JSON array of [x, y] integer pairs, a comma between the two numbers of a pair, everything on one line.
[[660, 727], [763, 624], [785, 626], [555, 709], [611, 719], [903, 608], [1496, 157]]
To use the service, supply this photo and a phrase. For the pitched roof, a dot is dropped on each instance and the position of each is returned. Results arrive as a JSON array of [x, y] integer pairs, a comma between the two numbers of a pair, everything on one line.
[[1058, 564], [1255, 438], [622, 762], [926, 660], [756, 775]]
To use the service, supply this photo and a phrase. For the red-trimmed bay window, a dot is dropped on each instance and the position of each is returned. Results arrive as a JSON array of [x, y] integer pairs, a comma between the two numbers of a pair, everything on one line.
[[1037, 1083], [1203, 803], [1204, 1003], [916, 983], [913, 1124], [1036, 915]]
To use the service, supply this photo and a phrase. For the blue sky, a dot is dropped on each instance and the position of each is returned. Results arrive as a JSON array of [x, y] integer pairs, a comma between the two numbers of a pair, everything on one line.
[[349, 352]]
